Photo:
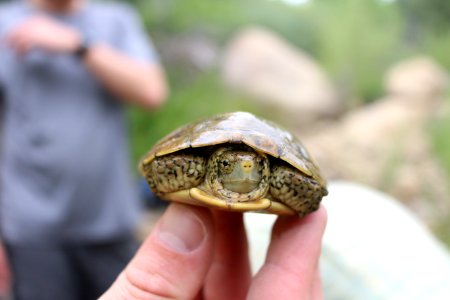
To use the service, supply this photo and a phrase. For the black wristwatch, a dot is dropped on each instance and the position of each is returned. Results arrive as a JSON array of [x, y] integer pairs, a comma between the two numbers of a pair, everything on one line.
[[82, 50]]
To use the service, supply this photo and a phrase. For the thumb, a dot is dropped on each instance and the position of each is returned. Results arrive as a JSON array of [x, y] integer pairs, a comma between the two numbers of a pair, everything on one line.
[[173, 261]]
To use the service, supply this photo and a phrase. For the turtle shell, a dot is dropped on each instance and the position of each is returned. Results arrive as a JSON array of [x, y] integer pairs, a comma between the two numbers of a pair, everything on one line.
[[239, 127]]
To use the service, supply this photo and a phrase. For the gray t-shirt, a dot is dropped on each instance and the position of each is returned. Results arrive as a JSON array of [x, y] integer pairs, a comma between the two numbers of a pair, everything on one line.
[[65, 174]]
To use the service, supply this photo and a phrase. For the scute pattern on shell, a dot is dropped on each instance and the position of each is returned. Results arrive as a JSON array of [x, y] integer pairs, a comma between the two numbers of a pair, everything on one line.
[[239, 127]]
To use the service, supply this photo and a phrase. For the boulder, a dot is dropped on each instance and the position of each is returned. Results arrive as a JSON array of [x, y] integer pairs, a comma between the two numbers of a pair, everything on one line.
[[266, 68], [373, 248], [417, 78], [386, 145]]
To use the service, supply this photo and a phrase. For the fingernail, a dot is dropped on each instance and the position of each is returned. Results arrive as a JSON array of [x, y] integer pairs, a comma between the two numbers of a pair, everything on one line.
[[181, 229]]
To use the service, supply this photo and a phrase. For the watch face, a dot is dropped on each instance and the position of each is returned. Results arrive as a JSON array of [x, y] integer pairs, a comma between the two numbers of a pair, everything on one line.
[[81, 51]]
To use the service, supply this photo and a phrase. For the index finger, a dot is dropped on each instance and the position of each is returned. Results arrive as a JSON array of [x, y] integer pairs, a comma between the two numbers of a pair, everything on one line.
[[291, 267], [230, 269]]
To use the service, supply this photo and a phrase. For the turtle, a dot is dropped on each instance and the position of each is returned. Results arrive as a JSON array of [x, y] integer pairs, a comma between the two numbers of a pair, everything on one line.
[[237, 162]]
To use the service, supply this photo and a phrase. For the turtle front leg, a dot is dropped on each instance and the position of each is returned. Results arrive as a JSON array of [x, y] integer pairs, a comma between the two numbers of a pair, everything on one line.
[[172, 173], [296, 190]]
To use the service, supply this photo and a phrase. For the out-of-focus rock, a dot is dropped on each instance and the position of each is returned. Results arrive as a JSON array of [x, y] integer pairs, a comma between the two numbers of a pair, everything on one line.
[[367, 248], [190, 54], [386, 145], [264, 67], [418, 78]]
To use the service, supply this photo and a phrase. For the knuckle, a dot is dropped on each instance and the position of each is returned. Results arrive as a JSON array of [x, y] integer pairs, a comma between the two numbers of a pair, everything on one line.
[[143, 284]]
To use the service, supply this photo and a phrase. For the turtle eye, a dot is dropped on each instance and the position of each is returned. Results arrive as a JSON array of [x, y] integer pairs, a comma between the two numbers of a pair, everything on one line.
[[226, 166]]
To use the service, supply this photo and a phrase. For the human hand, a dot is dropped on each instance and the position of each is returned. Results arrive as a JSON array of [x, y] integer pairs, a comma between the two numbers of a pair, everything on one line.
[[43, 32], [194, 253], [5, 276]]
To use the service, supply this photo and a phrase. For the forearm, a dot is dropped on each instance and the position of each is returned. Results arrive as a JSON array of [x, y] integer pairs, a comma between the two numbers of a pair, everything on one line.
[[143, 84], [138, 82]]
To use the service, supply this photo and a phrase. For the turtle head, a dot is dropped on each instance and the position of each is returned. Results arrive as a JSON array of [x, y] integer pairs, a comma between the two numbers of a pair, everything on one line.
[[240, 171]]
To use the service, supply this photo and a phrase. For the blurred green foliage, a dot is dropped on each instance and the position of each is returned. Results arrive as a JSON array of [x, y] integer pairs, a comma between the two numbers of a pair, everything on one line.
[[440, 132], [426, 14], [355, 41], [441, 142], [204, 97]]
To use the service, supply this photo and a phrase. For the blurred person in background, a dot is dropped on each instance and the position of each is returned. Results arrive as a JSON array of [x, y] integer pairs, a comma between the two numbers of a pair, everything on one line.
[[68, 201], [5, 276]]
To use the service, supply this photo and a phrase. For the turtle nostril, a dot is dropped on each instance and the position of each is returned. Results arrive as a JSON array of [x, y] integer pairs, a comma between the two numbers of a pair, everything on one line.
[[247, 166]]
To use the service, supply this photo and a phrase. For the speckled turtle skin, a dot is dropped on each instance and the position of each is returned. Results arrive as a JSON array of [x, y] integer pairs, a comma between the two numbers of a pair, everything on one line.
[[185, 166]]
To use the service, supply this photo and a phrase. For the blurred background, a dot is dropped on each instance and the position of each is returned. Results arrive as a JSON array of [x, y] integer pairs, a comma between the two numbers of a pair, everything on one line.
[[364, 84]]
